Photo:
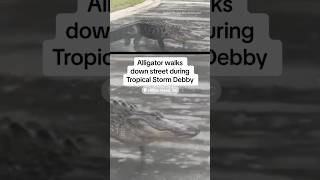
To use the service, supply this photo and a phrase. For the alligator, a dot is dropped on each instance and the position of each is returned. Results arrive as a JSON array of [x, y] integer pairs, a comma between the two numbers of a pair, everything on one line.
[[29, 148], [154, 29], [133, 126]]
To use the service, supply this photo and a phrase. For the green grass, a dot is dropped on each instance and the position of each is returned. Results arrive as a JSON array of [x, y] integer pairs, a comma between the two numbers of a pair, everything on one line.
[[121, 4]]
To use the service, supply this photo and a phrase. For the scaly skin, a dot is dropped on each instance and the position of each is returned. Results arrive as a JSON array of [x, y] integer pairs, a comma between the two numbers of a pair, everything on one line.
[[133, 126], [155, 29], [34, 149]]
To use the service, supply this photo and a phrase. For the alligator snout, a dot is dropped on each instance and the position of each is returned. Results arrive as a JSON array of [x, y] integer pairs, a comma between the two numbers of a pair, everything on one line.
[[185, 131], [154, 127], [176, 129], [189, 132]]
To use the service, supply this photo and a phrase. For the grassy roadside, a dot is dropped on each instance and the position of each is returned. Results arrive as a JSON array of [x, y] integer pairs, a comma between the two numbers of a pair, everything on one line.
[[121, 4]]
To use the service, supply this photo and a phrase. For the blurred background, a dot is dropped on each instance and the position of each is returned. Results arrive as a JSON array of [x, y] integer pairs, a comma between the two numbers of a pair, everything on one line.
[[264, 128], [267, 128]]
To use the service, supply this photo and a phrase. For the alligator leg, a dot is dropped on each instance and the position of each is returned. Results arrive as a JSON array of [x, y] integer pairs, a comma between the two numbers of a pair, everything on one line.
[[161, 44], [136, 42], [127, 41], [140, 168], [142, 157], [184, 45]]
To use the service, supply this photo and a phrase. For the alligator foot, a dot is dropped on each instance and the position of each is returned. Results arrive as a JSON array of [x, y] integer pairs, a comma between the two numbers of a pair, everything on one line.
[[161, 44], [184, 45]]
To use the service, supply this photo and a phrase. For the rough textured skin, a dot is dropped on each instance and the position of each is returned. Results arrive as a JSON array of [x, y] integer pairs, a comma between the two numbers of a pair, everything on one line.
[[155, 29], [133, 126], [35, 150]]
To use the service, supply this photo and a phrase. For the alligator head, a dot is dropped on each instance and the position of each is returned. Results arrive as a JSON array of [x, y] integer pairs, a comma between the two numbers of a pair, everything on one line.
[[131, 125], [156, 127]]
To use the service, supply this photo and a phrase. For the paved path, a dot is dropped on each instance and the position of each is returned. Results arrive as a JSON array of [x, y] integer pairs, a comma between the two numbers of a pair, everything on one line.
[[192, 14], [147, 4]]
